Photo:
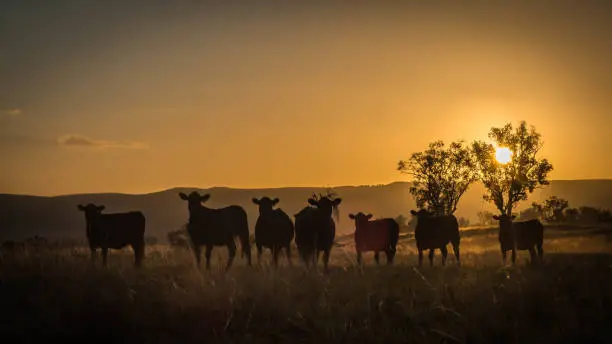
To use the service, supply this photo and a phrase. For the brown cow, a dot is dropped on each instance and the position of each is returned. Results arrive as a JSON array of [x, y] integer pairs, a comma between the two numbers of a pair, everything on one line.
[[377, 235]]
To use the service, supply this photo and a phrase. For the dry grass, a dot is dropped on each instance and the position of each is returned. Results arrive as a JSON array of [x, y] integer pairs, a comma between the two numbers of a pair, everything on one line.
[[60, 295]]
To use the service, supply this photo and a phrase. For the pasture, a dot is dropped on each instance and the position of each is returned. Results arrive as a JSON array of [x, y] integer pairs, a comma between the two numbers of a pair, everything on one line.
[[59, 294]]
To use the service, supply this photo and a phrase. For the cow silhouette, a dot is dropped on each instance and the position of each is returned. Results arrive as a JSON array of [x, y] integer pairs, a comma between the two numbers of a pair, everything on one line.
[[435, 232], [114, 231], [273, 229], [523, 235], [216, 227], [379, 235]]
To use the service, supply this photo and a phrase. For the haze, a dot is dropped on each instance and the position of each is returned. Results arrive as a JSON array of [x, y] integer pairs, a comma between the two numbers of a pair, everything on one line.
[[111, 97]]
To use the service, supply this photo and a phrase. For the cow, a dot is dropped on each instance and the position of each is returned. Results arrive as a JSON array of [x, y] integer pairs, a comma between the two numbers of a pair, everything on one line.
[[377, 235], [435, 232], [315, 229], [216, 227], [523, 235], [114, 231], [273, 229]]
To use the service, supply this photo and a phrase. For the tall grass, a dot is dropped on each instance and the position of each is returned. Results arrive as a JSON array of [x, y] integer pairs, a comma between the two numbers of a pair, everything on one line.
[[61, 295]]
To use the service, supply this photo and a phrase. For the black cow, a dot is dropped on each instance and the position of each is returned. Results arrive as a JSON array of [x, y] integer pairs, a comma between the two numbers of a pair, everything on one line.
[[273, 230], [377, 235], [524, 235], [114, 231], [435, 232], [315, 230], [216, 227]]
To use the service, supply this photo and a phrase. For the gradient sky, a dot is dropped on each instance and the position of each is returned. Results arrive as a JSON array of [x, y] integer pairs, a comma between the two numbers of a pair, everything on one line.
[[110, 97]]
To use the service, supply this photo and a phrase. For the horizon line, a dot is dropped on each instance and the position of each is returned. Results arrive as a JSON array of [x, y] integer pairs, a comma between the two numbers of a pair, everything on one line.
[[251, 188]]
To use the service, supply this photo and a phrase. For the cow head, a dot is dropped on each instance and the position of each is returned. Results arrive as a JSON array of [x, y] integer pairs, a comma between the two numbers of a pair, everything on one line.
[[422, 213], [194, 199], [266, 204], [360, 218], [325, 204], [505, 221], [91, 210]]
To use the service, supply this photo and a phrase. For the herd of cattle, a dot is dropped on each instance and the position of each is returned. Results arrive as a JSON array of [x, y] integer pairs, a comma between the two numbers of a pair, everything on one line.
[[313, 229]]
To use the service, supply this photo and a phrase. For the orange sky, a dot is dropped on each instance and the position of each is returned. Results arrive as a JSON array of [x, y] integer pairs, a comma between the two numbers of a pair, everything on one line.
[[115, 98]]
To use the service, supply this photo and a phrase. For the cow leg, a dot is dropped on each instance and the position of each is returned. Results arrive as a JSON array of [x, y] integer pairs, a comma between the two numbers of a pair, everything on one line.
[[275, 251], [197, 252], [259, 249], [288, 254], [420, 257], [104, 255], [513, 256], [358, 257], [431, 256], [390, 256], [540, 252], [207, 254], [532, 255], [326, 259], [139, 252], [94, 254], [377, 257], [444, 252], [231, 249], [456, 251], [504, 256]]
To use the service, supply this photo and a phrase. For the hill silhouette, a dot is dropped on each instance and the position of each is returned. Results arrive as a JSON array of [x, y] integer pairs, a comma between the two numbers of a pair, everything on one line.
[[22, 216]]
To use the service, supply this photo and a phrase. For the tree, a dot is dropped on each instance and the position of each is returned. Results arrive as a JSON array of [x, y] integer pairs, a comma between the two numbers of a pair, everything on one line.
[[552, 209], [440, 176], [463, 222], [572, 214], [485, 218], [508, 183]]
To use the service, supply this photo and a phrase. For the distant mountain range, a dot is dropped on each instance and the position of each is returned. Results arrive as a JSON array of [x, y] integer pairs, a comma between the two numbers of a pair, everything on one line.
[[22, 216]]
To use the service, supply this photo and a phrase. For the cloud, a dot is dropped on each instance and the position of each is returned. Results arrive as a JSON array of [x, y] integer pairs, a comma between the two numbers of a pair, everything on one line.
[[82, 141], [10, 112]]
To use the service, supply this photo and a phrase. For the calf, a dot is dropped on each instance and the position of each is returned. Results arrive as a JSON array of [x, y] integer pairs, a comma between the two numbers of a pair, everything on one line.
[[377, 235], [273, 229], [315, 229], [435, 232], [216, 227], [524, 235], [106, 231]]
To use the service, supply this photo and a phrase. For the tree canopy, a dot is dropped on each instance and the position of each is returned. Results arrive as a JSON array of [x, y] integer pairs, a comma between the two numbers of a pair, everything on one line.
[[440, 175], [507, 184]]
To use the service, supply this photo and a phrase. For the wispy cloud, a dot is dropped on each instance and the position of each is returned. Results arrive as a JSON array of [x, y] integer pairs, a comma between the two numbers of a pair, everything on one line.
[[82, 141], [10, 112]]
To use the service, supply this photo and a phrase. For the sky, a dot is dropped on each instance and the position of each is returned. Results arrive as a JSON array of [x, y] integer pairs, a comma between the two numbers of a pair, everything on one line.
[[108, 96]]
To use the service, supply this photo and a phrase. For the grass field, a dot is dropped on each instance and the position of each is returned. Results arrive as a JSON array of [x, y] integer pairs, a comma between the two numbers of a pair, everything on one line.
[[61, 295]]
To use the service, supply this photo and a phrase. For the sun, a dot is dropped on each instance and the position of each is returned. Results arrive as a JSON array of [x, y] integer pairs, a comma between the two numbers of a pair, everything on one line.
[[503, 155]]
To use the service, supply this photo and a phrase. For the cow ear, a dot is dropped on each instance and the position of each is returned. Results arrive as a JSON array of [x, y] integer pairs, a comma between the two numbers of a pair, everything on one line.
[[352, 216], [413, 212], [204, 198], [311, 201], [81, 207], [369, 216], [337, 201], [183, 196], [275, 201], [495, 217], [255, 200], [100, 208]]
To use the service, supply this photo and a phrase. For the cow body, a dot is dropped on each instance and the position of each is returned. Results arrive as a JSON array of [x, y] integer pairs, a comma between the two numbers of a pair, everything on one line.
[[378, 236], [521, 236], [216, 227], [114, 231], [315, 230], [436, 232], [273, 229]]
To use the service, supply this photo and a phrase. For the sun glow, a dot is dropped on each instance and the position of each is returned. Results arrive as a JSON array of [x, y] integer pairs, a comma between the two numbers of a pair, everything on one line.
[[503, 155]]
